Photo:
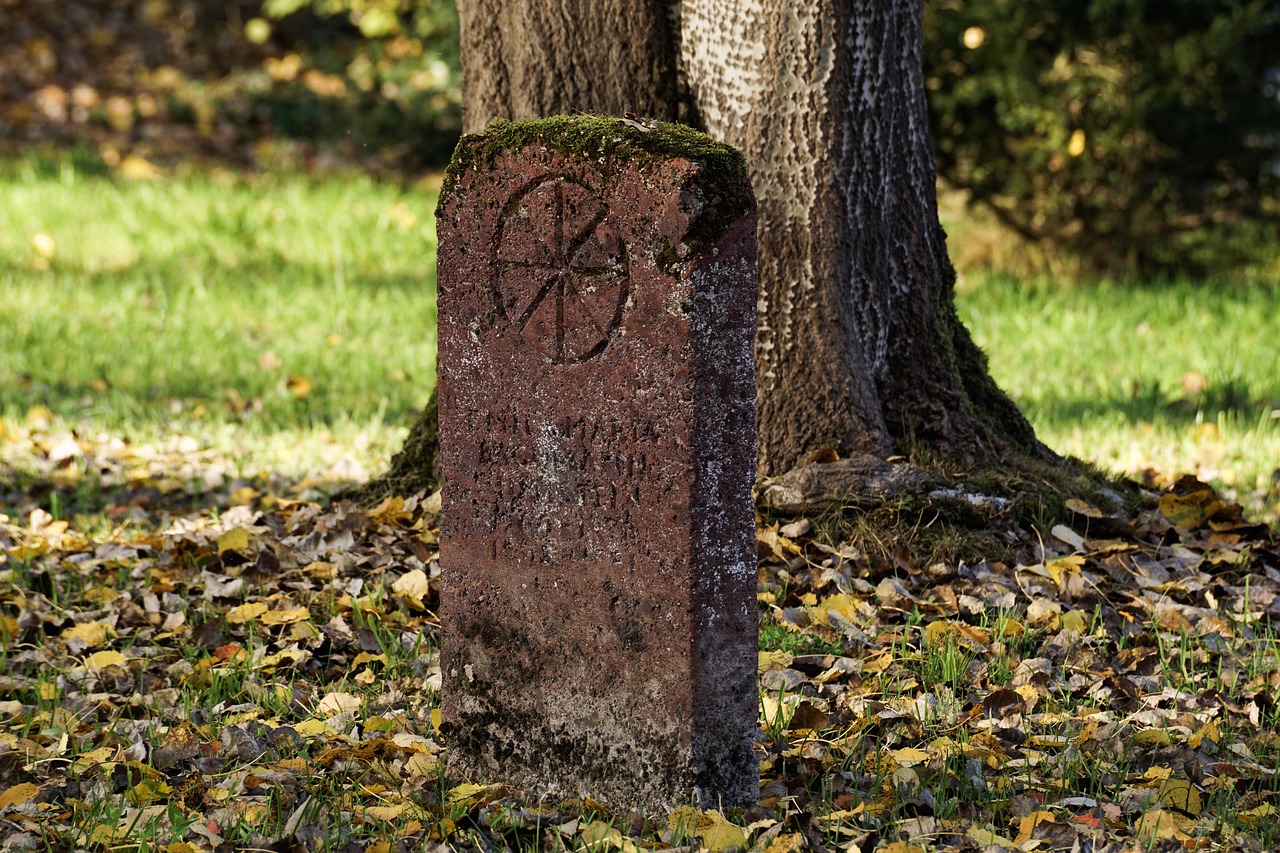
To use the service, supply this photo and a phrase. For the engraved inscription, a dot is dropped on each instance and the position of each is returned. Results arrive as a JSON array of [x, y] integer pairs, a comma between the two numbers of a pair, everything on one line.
[[568, 489], [563, 270]]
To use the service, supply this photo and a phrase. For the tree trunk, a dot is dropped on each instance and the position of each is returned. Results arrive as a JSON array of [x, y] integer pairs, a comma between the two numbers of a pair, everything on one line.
[[532, 58], [859, 349]]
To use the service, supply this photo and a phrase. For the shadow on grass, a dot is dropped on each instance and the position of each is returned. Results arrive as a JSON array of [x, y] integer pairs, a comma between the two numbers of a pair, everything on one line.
[[1147, 403], [147, 503]]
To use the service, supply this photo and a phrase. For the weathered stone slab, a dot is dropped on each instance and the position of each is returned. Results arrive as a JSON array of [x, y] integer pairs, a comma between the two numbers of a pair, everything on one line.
[[597, 292]]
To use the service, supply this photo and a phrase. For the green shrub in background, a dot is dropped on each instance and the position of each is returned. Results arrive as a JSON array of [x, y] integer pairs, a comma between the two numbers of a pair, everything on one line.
[[388, 74], [1139, 135]]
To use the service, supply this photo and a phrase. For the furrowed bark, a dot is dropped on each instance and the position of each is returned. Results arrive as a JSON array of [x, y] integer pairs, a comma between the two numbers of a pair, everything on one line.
[[859, 349]]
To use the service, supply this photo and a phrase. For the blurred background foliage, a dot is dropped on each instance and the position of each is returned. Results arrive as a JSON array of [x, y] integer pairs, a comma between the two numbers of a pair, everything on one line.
[[1136, 135], [1100, 137], [150, 84]]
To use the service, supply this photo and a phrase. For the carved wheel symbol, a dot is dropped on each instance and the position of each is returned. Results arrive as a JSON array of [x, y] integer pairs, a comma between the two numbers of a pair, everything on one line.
[[562, 270]]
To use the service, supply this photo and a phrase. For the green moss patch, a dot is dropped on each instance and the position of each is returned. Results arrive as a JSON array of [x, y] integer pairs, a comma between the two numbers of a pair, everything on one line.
[[724, 167]]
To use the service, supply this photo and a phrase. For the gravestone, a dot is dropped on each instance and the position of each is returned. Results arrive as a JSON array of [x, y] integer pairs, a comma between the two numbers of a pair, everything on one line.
[[597, 298]]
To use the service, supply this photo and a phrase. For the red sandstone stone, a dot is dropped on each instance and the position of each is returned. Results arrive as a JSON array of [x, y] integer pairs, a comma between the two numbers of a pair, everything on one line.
[[597, 291]]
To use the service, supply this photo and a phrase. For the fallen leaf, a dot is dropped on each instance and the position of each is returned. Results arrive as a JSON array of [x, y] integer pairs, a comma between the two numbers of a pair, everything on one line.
[[21, 793], [104, 659], [44, 245], [137, 168], [90, 633], [338, 703], [413, 587], [236, 539], [285, 617], [247, 612], [299, 386], [1181, 795]]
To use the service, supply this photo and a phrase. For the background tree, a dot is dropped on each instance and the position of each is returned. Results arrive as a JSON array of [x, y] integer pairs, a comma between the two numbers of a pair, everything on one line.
[[859, 350]]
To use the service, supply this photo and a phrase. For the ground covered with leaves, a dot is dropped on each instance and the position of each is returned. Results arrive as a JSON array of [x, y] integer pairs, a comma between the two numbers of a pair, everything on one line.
[[201, 662]]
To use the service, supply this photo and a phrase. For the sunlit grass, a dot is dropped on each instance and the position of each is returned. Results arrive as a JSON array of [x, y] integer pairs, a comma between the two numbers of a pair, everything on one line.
[[291, 320], [1168, 379], [285, 315]]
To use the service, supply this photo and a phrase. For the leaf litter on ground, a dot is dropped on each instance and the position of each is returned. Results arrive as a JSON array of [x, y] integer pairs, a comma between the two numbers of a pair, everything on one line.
[[200, 662]]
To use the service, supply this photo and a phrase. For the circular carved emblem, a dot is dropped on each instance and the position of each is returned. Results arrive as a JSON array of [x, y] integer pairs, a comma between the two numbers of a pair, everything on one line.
[[563, 270]]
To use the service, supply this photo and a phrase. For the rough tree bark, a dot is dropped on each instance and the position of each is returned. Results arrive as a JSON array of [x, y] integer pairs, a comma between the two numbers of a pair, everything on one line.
[[859, 349]]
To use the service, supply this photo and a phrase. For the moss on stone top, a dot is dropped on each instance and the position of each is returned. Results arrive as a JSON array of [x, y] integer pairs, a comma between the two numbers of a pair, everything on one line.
[[723, 164]]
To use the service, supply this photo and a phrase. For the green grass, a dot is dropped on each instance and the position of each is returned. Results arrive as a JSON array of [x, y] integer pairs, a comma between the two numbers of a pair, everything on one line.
[[186, 304], [1182, 377]]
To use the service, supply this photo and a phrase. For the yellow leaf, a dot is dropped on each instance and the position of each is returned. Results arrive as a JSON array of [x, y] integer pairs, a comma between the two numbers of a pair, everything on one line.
[[434, 502], [148, 790], [1181, 795], [321, 571], [291, 655], [902, 847], [384, 813], [1073, 619], [413, 587], [1191, 510], [600, 835], [299, 386], [93, 757], [101, 660], [236, 539], [789, 843], [390, 511], [47, 691], [466, 794], [1064, 566], [379, 724], [845, 605], [23, 792], [1153, 737], [137, 168], [247, 612], [718, 833], [1159, 824], [1208, 730], [986, 837], [338, 703], [180, 847], [44, 245], [106, 836], [908, 756], [244, 495], [1081, 507], [90, 633], [882, 661], [285, 617], [1251, 817], [313, 728], [1075, 145], [435, 719], [1012, 628], [1027, 825], [936, 633], [257, 30], [421, 764], [767, 660]]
